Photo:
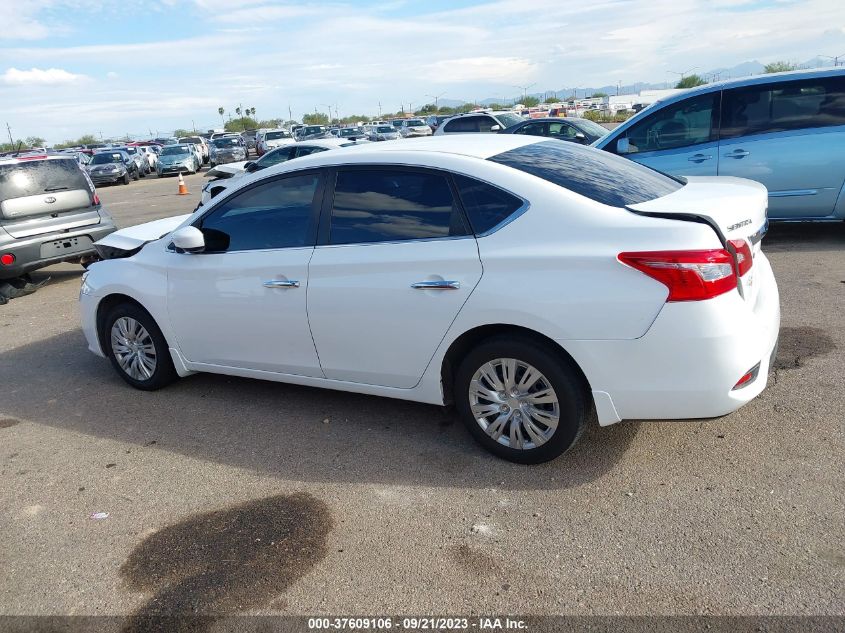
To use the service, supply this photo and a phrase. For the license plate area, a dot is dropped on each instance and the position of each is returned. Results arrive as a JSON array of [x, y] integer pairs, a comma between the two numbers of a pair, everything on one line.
[[65, 246]]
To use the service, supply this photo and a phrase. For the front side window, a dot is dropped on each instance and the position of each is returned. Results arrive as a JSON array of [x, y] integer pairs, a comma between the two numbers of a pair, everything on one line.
[[486, 206], [275, 157], [793, 105], [688, 122], [386, 205], [274, 214], [562, 131]]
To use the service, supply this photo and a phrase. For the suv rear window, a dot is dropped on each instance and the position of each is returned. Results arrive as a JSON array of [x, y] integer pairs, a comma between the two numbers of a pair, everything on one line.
[[31, 178], [594, 174]]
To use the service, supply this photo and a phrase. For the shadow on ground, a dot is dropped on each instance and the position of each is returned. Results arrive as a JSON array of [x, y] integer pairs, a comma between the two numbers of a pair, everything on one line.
[[805, 236], [297, 433]]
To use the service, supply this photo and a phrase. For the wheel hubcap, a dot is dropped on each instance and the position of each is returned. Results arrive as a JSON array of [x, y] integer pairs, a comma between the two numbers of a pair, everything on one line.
[[514, 403], [133, 348]]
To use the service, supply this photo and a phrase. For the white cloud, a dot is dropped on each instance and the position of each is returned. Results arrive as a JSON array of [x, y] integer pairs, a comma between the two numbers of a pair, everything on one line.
[[37, 76], [473, 69]]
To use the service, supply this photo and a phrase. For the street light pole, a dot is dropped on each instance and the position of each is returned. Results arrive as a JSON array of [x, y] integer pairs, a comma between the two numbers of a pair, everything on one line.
[[436, 97], [525, 90]]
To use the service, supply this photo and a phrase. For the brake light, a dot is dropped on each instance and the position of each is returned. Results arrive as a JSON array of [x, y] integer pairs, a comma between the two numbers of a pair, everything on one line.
[[689, 275], [7, 259], [95, 200], [742, 252]]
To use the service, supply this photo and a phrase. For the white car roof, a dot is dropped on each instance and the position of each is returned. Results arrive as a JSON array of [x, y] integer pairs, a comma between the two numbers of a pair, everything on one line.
[[473, 145]]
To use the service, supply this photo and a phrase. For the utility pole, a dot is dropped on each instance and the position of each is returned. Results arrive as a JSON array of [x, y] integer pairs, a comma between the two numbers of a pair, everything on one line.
[[436, 98], [194, 126], [9, 130], [618, 87], [290, 113], [379, 109], [525, 90], [835, 59]]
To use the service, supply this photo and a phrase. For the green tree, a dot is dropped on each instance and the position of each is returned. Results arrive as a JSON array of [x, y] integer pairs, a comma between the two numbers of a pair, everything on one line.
[[240, 124], [779, 67], [221, 111], [318, 118], [180, 133], [690, 81], [34, 141], [552, 99], [428, 108], [599, 95], [530, 102]]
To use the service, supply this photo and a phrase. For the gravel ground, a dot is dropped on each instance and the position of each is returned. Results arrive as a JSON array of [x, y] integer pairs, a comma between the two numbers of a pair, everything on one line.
[[373, 506]]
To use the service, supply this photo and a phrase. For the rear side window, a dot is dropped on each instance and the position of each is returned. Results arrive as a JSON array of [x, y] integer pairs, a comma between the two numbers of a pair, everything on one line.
[[793, 105], [597, 175], [32, 178], [385, 205], [486, 206], [463, 124]]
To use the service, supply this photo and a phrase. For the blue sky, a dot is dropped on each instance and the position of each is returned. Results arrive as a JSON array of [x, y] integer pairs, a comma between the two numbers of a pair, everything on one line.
[[69, 67]]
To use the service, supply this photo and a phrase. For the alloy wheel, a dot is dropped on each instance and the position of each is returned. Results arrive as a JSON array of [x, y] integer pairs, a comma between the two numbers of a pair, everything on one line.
[[133, 348]]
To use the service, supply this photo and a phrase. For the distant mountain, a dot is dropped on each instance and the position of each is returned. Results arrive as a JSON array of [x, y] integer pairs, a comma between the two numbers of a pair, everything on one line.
[[740, 70]]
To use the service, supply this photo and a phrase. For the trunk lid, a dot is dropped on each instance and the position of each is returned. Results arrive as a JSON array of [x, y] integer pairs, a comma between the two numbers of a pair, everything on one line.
[[734, 207]]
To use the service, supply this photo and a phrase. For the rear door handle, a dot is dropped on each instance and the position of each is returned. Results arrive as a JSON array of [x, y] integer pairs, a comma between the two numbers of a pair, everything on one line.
[[737, 153], [436, 285], [281, 283], [699, 158]]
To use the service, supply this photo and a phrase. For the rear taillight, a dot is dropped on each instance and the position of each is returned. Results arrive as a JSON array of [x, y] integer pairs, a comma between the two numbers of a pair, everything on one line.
[[7, 259], [742, 251], [689, 275], [95, 200]]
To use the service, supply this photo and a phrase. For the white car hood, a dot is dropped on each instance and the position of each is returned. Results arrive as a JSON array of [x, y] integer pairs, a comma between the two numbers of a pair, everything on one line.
[[228, 168], [130, 238]]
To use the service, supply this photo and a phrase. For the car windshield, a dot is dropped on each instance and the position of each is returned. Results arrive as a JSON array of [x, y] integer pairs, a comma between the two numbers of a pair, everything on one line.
[[383, 129], [175, 150], [414, 122], [592, 173], [313, 130], [590, 128], [191, 139], [272, 136], [508, 119], [350, 131], [226, 142], [107, 157], [18, 180]]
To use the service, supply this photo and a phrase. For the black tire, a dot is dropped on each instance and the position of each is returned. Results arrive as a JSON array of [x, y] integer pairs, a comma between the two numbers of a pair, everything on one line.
[[164, 372], [135, 175], [126, 178], [566, 381]]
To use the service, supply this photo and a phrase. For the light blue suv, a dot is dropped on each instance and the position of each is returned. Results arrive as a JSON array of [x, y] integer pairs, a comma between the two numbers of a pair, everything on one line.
[[785, 130]]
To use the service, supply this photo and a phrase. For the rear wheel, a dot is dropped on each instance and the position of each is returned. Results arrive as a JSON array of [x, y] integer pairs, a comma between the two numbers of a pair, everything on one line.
[[521, 401], [137, 349], [126, 178]]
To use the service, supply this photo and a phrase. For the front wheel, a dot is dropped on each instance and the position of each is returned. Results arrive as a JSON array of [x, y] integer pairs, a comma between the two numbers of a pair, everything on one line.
[[126, 178], [137, 349], [520, 401]]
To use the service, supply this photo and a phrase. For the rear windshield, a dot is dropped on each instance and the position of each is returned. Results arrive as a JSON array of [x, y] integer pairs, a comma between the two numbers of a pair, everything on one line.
[[191, 139], [272, 136], [592, 173], [227, 142], [43, 176]]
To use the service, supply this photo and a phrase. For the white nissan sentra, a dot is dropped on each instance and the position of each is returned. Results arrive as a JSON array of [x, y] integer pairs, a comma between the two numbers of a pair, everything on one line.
[[526, 280]]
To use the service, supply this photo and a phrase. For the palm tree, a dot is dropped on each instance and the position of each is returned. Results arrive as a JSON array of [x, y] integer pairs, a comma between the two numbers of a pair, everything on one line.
[[220, 111]]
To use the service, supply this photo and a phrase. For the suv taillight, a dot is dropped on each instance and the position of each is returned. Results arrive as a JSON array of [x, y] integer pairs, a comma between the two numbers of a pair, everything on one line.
[[689, 275], [742, 251]]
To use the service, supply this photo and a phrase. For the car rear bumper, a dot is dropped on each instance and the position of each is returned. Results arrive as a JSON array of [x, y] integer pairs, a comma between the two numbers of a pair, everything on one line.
[[43, 250], [687, 364], [173, 169], [103, 180]]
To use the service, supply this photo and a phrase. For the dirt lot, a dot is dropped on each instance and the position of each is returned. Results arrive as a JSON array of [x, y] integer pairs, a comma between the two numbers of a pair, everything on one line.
[[373, 506]]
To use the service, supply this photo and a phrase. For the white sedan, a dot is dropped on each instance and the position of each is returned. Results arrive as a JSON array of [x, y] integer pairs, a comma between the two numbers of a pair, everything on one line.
[[526, 280]]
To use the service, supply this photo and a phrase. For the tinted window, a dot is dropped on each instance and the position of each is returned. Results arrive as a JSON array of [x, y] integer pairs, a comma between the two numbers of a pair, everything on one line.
[[508, 119], [382, 205], [274, 136], [104, 158], [592, 173], [304, 151], [532, 129], [780, 107], [275, 157], [486, 206], [463, 124], [43, 176], [274, 214], [688, 122]]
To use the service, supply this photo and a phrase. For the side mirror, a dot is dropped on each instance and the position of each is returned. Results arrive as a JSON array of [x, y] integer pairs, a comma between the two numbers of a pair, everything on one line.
[[495, 128], [623, 146], [582, 138], [189, 239], [250, 166]]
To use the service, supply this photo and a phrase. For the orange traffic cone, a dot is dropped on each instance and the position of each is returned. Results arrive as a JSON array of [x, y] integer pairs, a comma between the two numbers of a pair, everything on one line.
[[183, 189]]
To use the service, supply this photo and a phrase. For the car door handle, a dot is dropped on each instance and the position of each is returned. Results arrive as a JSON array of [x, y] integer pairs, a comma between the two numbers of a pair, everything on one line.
[[281, 283], [737, 153], [436, 285], [699, 158]]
